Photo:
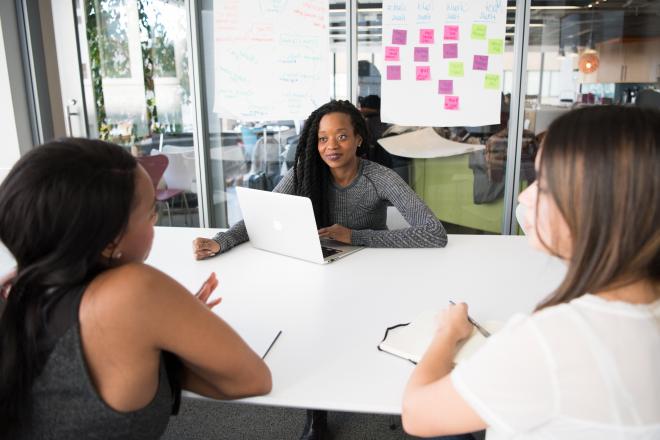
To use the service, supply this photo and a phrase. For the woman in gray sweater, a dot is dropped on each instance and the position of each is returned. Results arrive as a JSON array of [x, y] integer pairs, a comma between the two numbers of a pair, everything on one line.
[[350, 195]]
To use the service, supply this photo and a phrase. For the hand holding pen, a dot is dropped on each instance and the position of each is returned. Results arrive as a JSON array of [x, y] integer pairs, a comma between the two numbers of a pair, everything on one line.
[[453, 322], [479, 328]]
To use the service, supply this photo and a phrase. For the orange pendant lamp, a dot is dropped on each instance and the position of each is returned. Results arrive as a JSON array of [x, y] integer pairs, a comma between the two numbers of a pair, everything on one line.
[[589, 61]]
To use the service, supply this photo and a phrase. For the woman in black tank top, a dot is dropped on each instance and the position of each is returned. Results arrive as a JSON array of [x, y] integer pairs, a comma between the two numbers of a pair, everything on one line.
[[78, 215]]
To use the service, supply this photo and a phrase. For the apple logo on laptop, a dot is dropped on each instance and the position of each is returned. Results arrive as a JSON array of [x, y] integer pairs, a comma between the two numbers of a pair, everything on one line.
[[277, 226]]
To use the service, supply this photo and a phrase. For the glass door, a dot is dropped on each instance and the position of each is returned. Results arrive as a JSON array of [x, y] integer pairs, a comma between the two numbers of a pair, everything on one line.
[[125, 79]]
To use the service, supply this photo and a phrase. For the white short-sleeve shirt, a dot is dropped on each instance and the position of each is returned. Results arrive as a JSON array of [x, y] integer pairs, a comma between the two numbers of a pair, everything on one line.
[[589, 369]]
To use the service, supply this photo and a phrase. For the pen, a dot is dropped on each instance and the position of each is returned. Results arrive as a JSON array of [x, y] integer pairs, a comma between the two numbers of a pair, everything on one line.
[[271, 344], [481, 330]]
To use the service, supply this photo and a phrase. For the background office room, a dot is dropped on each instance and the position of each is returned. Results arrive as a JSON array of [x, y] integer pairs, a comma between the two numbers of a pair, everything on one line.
[[211, 95]]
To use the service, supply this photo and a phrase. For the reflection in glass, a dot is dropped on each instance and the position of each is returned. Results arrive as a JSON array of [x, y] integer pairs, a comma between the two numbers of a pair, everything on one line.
[[585, 53], [258, 154], [465, 191], [113, 27], [137, 91]]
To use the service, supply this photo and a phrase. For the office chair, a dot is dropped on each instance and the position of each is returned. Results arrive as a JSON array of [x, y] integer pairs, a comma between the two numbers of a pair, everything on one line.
[[155, 167]]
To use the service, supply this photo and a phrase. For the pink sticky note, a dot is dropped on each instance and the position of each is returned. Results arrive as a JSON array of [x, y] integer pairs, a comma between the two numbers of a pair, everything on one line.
[[451, 32], [426, 36], [423, 73], [451, 102], [393, 73], [450, 50], [421, 54], [480, 62], [445, 86], [391, 53], [399, 36]]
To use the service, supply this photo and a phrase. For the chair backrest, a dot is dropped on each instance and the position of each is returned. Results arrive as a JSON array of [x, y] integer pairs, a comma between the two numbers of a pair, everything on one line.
[[266, 157], [155, 167], [180, 173]]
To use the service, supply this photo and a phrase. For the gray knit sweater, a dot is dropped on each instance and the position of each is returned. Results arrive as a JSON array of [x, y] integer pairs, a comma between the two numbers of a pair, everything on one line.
[[362, 207]]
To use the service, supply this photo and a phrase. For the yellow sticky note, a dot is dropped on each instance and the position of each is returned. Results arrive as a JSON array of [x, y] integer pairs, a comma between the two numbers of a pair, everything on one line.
[[456, 69], [479, 31], [495, 47], [492, 81]]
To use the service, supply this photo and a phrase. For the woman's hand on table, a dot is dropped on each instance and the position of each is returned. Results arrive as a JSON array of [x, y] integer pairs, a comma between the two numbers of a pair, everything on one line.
[[205, 248], [206, 290], [336, 232]]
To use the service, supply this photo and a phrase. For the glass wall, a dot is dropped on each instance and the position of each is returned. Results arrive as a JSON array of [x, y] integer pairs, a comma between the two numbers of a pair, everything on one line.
[[257, 153], [584, 53], [465, 191], [137, 82], [590, 53], [134, 57]]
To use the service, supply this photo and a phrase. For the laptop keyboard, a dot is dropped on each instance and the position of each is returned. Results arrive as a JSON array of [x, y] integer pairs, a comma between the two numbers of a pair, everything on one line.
[[329, 251]]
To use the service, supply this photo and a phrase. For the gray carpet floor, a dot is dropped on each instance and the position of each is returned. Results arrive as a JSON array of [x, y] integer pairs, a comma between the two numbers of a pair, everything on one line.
[[212, 420]]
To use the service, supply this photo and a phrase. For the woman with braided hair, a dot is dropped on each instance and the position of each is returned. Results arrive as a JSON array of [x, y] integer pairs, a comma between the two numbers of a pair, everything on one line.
[[349, 194]]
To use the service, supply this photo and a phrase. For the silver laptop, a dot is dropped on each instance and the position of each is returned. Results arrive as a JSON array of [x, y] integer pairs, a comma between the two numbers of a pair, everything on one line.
[[285, 224]]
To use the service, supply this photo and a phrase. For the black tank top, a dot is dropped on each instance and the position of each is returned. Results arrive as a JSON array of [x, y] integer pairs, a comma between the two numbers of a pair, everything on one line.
[[65, 404]]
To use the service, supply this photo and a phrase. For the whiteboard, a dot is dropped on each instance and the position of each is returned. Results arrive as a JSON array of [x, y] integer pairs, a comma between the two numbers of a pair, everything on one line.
[[443, 62], [271, 58]]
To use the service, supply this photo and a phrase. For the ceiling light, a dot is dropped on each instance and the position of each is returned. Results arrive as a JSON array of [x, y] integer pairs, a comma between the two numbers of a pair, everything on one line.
[[589, 61]]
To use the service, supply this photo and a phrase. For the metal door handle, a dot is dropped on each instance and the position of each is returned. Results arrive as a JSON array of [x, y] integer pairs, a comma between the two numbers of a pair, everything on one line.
[[70, 113]]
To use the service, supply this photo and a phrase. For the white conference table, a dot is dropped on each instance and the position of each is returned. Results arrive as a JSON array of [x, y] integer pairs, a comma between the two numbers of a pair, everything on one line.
[[333, 316]]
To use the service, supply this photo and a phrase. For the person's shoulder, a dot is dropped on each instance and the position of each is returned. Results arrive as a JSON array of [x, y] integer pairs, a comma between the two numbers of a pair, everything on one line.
[[555, 328], [541, 324], [133, 274], [384, 180], [551, 317], [128, 287], [376, 170]]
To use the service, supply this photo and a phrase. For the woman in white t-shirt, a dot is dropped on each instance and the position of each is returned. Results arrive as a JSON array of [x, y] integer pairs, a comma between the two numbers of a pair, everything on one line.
[[586, 364]]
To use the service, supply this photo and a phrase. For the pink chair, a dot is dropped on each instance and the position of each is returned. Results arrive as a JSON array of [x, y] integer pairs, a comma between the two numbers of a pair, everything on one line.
[[155, 166]]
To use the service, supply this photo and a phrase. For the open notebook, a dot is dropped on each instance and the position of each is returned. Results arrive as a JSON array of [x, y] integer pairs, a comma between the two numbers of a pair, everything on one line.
[[410, 341]]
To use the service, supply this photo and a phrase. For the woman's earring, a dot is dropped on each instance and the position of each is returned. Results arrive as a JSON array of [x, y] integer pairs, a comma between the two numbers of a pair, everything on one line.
[[117, 256]]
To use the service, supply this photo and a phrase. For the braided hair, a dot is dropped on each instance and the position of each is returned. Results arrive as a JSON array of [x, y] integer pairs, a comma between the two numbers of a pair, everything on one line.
[[311, 175]]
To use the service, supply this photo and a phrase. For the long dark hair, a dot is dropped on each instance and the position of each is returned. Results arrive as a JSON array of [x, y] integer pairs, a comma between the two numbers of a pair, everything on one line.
[[311, 175], [601, 166], [61, 205]]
